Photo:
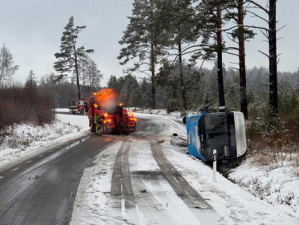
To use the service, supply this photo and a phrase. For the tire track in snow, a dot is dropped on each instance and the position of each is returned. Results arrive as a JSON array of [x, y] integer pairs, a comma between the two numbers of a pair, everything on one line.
[[200, 208], [121, 186], [150, 210]]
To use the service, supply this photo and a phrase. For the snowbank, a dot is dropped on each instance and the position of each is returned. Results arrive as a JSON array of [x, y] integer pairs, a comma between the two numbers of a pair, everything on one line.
[[278, 186], [23, 140], [267, 195], [233, 204]]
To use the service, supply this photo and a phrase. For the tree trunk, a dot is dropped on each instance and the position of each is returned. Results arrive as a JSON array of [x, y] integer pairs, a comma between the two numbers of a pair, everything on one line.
[[242, 65], [219, 59], [77, 77], [153, 80], [153, 58], [183, 90], [273, 57], [76, 69]]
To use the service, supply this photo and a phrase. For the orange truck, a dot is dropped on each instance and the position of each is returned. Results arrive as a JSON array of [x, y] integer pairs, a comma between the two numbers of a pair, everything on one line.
[[106, 115]]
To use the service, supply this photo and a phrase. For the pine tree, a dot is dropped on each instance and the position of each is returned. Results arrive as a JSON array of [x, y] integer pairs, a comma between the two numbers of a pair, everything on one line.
[[31, 88], [213, 14], [31, 79], [210, 29], [242, 33], [178, 21], [210, 22], [69, 55], [145, 88], [270, 33], [143, 40], [129, 87], [114, 84]]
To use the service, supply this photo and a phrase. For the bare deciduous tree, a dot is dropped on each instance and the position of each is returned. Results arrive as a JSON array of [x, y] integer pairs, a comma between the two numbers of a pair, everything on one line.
[[91, 76], [7, 67]]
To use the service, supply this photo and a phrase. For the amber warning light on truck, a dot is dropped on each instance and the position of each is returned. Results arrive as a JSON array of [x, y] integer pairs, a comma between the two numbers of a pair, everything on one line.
[[106, 98]]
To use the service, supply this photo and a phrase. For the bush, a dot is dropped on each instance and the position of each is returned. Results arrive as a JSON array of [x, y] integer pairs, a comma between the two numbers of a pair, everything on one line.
[[272, 140], [19, 106]]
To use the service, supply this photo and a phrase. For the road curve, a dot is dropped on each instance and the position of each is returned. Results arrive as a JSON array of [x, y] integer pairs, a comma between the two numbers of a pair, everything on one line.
[[42, 190], [157, 195]]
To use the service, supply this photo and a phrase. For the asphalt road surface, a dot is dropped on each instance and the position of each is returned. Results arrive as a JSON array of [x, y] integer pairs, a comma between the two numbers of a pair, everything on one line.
[[42, 189]]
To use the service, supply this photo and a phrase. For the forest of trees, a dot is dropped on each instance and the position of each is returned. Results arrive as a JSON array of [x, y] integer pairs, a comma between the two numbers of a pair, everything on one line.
[[161, 35], [201, 90], [35, 101], [168, 42]]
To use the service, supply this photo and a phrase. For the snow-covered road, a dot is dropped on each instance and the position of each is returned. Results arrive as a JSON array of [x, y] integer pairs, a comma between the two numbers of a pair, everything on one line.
[[151, 188], [155, 199]]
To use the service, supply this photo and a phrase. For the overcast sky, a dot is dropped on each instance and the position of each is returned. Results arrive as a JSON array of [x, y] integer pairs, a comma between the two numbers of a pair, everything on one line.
[[31, 30]]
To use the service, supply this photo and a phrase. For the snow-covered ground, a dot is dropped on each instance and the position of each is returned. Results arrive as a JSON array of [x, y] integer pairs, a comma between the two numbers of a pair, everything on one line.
[[26, 140], [266, 195]]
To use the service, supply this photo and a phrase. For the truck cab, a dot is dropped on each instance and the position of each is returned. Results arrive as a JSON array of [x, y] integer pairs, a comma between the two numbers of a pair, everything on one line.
[[107, 116], [77, 106]]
